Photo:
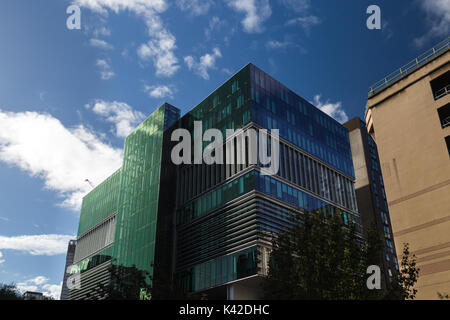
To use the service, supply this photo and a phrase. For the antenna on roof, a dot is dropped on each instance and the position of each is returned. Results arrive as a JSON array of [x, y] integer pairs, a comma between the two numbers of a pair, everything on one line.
[[90, 183]]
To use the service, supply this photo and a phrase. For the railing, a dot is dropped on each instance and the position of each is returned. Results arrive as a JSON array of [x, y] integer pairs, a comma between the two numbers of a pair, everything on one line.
[[446, 122], [442, 92], [410, 67]]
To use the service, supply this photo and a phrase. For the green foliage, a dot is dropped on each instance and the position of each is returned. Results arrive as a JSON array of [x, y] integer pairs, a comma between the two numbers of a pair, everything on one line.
[[402, 286], [9, 292], [131, 283], [443, 296], [322, 258]]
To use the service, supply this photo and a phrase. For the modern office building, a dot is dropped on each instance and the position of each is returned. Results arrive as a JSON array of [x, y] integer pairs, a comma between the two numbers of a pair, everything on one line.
[[408, 114], [210, 226], [370, 194], [69, 261]]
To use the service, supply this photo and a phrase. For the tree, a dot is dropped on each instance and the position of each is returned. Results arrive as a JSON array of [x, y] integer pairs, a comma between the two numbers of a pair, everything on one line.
[[402, 286], [131, 283], [9, 292], [443, 296], [320, 257]]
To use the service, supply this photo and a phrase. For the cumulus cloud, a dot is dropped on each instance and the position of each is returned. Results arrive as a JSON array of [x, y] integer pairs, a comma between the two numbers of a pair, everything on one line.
[[1, 258], [105, 69], [195, 7], [206, 62], [438, 20], [256, 12], [62, 157], [40, 284], [37, 245], [161, 45], [123, 116], [160, 91], [101, 44], [334, 110]]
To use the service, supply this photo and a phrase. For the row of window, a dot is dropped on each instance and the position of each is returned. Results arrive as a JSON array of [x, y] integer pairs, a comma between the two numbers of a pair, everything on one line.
[[316, 177], [219, 271]]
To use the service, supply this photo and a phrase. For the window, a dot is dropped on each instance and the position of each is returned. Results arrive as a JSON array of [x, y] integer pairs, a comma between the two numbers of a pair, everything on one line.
[[441, 86], [396, 263], [447, 141], [387, 232], [444, 115]]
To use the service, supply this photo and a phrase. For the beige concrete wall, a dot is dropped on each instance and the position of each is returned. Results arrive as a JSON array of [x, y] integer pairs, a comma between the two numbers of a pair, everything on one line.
[[359, 160], [415, 163]]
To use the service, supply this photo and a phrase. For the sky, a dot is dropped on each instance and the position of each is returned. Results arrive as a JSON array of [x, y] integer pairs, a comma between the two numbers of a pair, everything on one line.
[[69, 97]]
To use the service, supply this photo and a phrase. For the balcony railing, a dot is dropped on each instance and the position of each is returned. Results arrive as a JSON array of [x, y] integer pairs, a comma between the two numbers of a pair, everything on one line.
[[442, 92], [410, 67]]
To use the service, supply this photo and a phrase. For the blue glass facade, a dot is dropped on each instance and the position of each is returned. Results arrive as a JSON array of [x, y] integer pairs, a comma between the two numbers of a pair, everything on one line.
[[276, 107], [226, 211]]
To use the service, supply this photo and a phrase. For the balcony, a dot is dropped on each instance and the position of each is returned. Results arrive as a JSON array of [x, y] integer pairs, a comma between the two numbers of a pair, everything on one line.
[[444, 115], [442, 92], [399, 74], [445, 122]]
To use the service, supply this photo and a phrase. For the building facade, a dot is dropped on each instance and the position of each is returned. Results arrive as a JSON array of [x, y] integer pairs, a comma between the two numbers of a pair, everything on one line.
[[211, 225], [407, 114], [69, 261], [371, 196]]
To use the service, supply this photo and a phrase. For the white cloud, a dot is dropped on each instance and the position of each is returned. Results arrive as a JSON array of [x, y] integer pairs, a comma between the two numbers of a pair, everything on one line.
[[297, 5], [301, 8], [63, 157], [37, 245], [105, 69], [124, 118], [214, 23], [137, 6], [40, 284], [159, 92], [1, 258], [275, 44], [101, 44], [195, 7], [334, 110], [102, 31], [160, 51], [256, 12], [208, 61], [160, 48], [4, 218], [52, 290], [438, 19], [305, 22]]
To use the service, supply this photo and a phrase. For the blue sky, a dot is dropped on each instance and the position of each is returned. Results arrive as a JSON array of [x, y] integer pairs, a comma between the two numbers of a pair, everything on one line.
[[69, 97]]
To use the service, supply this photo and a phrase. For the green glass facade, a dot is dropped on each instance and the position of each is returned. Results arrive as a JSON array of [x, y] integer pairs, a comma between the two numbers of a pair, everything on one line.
[[128, 200]]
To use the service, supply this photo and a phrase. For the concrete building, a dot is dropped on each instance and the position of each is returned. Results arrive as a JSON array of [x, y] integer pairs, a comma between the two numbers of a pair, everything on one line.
[[31, 295], [69, 261], [370, 194], [407, 114]]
